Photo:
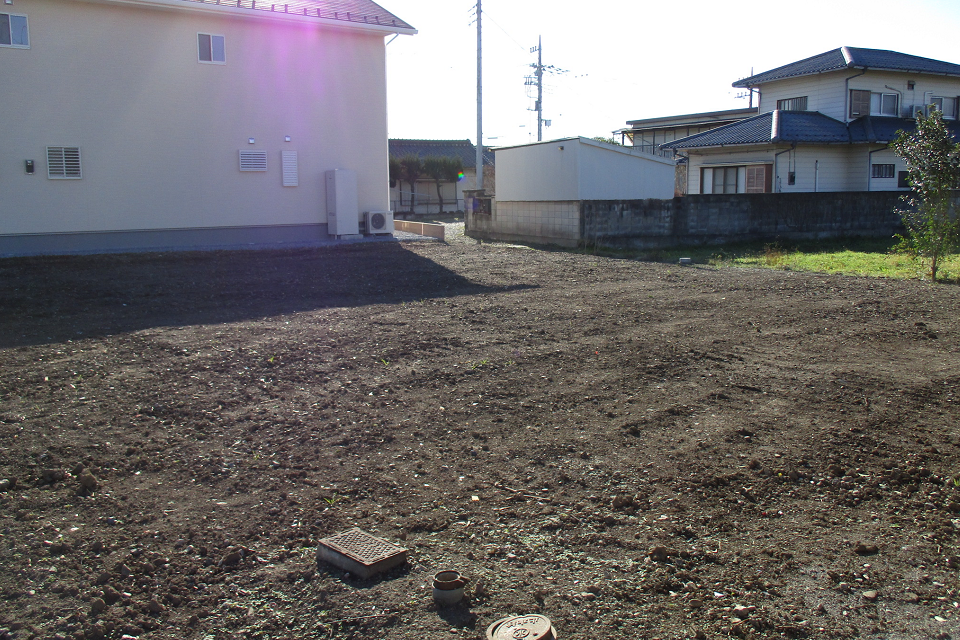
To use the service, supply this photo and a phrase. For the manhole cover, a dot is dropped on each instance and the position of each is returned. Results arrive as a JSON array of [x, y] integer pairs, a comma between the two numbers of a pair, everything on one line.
[[360, 553], [531, 627]]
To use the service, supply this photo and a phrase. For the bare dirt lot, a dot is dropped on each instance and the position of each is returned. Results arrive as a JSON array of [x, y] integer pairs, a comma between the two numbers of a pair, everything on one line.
[[634, 450]]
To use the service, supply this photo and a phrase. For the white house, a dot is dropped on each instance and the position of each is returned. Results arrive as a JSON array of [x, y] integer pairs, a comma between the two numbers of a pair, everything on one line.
[[824, 124], [541, 187], [178, 123]]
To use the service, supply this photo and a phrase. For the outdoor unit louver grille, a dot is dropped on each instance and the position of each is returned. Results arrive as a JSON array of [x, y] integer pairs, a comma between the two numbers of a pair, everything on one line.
[[291, 174], [253, 160], [63, 163], [379, 221]]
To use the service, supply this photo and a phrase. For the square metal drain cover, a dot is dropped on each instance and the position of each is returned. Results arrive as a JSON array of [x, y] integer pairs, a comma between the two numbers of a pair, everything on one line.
[[360, 553]]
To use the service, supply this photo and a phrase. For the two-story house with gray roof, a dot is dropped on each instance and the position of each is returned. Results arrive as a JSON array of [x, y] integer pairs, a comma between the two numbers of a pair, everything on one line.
[[824, 124], [180, 123]]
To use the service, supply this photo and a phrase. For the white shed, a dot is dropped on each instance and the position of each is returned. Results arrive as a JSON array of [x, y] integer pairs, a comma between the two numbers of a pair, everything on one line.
[[540, 187]]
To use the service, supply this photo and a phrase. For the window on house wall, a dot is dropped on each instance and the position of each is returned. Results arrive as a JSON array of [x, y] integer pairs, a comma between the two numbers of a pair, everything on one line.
[[14, 31], [63, 163], [867, 103], [948, 106], [902, 180], [793, 104], [883, 171], [724, 179], [211, 48]]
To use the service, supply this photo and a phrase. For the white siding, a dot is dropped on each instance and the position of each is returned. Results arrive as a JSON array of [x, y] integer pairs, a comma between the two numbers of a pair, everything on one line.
[[539, 172], [580, 169], [826, 92], [884, 157], [610, 174]]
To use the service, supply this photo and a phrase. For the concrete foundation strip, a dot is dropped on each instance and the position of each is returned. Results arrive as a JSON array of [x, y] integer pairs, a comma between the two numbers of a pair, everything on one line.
[[427, 229]]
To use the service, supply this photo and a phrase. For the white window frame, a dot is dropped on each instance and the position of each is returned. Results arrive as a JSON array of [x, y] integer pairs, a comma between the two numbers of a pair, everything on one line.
[[937, 103], [213, 51], [65, 173], [878, 97], [26, 26]]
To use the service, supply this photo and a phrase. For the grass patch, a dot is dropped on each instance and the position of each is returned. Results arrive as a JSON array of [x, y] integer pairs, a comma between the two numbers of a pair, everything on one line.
[[852, 256]]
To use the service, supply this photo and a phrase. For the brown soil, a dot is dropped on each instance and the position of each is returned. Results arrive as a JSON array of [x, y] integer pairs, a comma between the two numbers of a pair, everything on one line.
[[634, 450]]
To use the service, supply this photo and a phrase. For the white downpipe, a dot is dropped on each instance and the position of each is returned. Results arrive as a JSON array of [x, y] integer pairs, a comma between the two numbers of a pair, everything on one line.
[[816, 176]]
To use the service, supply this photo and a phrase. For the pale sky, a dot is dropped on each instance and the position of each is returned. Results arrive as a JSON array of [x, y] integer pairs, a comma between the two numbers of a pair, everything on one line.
[[624, 59]]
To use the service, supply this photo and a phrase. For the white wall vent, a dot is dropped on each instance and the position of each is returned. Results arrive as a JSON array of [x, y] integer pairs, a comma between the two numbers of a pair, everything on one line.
[[63, 163], [253, 160], [291, 172], [379, 221]]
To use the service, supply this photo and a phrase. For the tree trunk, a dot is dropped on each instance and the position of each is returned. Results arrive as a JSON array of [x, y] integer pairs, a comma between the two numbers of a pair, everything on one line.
[[440, 196]]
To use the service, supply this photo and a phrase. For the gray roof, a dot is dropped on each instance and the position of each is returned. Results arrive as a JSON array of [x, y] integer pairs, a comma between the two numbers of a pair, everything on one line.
[[802, 127], [774, 126], [853, 58], [462, 149], [692, 119], [360, 12]]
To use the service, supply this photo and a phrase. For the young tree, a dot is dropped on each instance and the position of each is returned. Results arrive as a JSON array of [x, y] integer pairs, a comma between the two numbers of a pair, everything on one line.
[[933, 162], [411, 168], [610, 140], [396, 171], [442, 169]]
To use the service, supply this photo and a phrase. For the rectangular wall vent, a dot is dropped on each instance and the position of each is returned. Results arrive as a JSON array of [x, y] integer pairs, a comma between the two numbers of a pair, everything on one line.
[[253, 160], [291, 173], [63, 163]]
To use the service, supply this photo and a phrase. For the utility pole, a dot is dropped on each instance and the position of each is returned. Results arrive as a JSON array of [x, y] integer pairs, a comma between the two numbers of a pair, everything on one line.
[[537, 79], [479, 100], [540, 89]]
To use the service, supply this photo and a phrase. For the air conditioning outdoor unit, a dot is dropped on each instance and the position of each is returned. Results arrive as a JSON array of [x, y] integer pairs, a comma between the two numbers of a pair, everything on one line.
[[379, 221]]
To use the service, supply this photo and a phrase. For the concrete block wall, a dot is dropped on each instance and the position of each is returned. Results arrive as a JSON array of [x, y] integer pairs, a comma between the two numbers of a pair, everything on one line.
[[715, 219], [693, 219], [555, 222]]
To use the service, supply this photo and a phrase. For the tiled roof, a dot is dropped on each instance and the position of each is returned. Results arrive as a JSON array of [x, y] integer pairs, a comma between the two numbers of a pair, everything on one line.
[[360, 12], [462, 149], [808, 127], [802, 127], [775, 126], [882, 130], [853, 58]]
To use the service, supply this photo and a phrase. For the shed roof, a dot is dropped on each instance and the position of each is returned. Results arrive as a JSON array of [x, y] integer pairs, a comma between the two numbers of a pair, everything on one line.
[[853, 58], [463, 149]]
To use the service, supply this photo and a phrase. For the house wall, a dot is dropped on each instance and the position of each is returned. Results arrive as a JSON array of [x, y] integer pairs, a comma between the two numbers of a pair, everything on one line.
[[740, 157], [160, 132], [826, 92], [825, 168]]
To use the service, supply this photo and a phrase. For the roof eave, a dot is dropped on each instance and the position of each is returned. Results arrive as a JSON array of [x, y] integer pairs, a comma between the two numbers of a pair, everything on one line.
[[273, 16]]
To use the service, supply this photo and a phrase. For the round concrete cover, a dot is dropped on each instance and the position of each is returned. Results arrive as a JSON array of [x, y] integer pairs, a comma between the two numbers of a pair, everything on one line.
[[532, 627]]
